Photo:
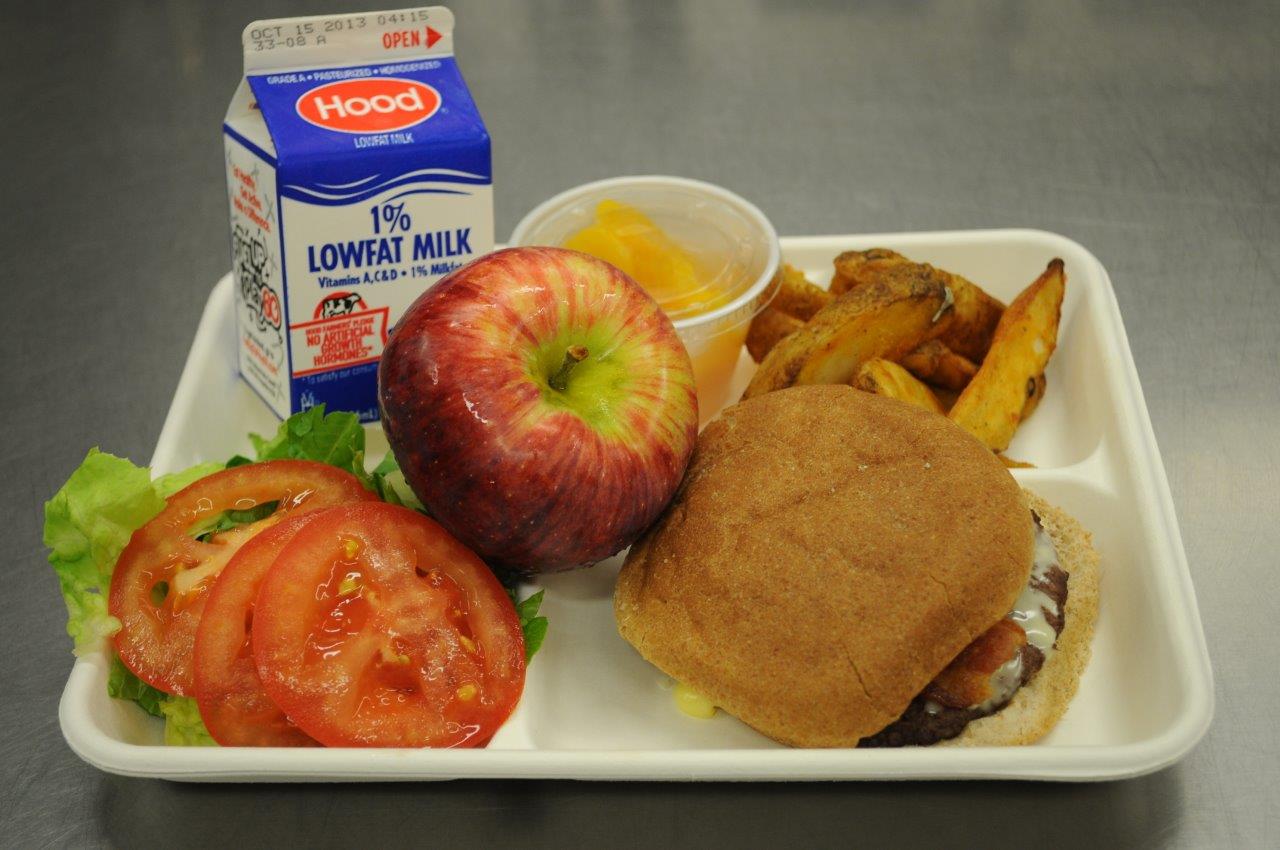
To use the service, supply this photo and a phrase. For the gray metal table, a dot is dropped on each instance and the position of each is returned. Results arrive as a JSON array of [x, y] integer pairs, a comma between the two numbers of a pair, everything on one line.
[[1147, 133]]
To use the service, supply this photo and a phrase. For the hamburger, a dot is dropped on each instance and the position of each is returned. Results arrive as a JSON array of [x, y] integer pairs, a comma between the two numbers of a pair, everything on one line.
[[840, 569]]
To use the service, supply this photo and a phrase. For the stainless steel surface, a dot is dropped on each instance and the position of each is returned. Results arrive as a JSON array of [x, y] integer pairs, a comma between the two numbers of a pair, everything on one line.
[[1147, 132]]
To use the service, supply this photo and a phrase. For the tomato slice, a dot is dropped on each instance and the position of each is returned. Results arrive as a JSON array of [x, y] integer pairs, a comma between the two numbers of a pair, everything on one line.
[[161, 580], [376, 628], [233, 704]]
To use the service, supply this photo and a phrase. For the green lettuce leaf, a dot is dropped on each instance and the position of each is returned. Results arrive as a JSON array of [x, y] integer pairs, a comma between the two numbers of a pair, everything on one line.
[[391, 485], [167, 485], [533, 626], [230, 519], [336, 439], [87, 524], [122, 684], [182, 724], [333, 438]]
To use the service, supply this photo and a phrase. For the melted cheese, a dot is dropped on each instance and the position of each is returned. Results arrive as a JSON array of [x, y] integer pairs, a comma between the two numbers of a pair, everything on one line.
[[692, 703]]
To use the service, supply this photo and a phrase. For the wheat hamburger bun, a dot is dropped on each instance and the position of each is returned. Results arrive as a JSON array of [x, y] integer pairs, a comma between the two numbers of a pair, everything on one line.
[[827, 554]]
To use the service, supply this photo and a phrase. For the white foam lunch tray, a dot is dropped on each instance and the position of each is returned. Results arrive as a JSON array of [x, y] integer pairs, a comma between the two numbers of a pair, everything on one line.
[[593, 709]]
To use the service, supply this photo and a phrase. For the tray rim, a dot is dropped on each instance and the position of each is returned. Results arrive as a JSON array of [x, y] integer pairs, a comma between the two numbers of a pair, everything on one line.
[[1055, 763]]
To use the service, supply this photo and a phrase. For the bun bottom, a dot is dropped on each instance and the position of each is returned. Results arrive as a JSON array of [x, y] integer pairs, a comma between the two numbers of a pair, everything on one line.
[[1038, 706]]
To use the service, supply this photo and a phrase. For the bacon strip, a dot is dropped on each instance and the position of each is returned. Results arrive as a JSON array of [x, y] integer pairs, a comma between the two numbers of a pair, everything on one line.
[[966, 681]]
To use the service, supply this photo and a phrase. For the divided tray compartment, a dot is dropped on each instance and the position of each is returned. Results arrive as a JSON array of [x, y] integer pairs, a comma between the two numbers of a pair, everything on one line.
[[593, 709]]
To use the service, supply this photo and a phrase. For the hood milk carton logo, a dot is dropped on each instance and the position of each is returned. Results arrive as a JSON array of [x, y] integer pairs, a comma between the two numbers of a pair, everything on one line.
[[358, 170], [379, 105]]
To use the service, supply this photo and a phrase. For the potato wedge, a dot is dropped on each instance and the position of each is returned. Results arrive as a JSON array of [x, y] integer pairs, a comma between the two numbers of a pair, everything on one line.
[[1010, 463], [965, 315], [934, 363], [767, 329], [945, 396], [851, 271], [1035, 392], [797, 296], [976, 315], [974, 312], [886, 318], [886, 378], [991, 406]]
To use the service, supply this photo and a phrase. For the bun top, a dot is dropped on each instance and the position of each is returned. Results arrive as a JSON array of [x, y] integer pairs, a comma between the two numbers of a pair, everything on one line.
[[828, 553]]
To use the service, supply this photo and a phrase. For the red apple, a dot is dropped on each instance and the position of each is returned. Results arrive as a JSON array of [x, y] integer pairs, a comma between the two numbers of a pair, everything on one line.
[[541, 407]]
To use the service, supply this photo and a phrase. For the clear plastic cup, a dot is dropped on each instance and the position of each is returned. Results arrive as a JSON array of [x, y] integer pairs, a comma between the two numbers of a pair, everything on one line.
[[733, 244]]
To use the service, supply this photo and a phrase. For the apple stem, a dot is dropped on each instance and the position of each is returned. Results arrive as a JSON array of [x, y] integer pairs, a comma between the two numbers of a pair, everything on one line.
[[572, 357]]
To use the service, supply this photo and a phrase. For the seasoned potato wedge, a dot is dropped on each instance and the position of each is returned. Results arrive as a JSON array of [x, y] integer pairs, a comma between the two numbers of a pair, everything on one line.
[[992, 405], [851, 271], [1010, 463], [887, 318], [974, 312], [1035, 392], [767, 329], [976, 316], [797, 296], [935, 363], [945, 396], [886, 378]]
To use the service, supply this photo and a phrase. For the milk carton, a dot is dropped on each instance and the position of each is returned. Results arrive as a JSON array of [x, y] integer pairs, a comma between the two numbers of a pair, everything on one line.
[[359, 173]]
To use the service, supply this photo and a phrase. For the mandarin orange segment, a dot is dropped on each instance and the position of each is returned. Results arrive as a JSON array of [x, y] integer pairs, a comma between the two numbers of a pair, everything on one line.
[[625, 237]]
